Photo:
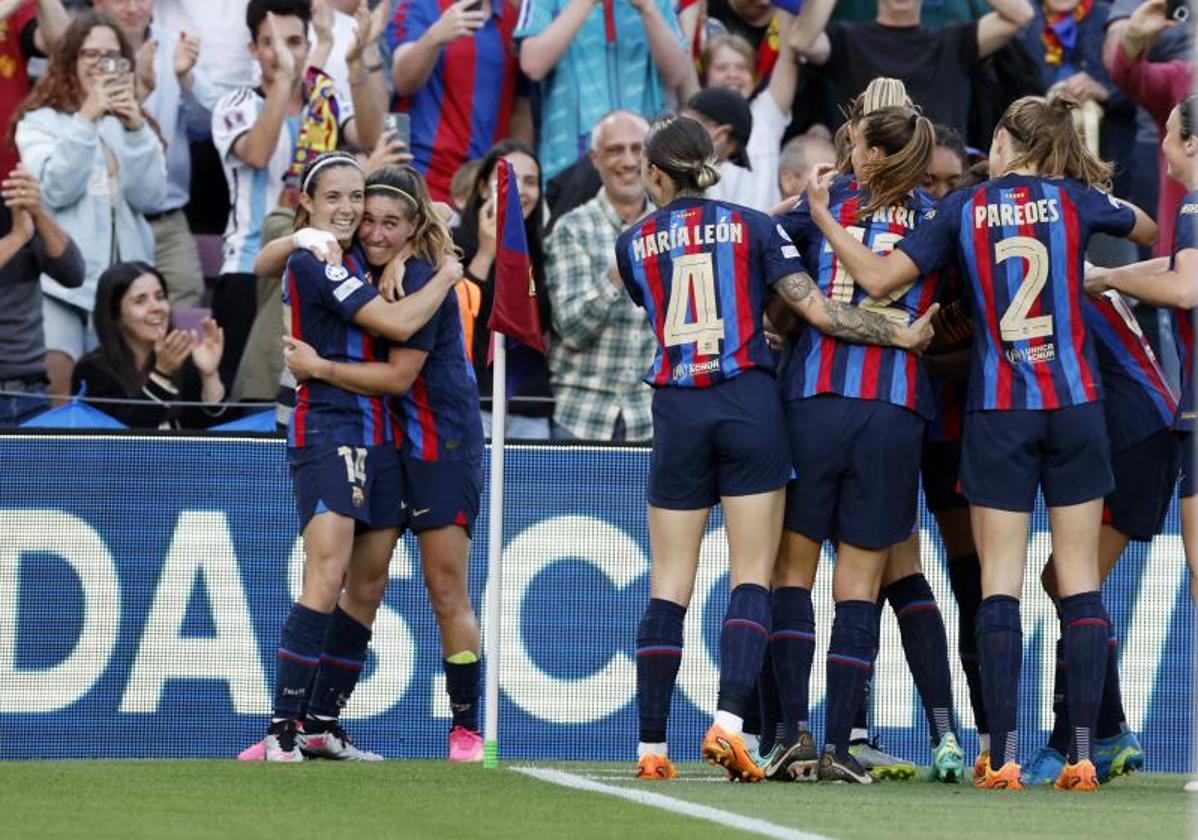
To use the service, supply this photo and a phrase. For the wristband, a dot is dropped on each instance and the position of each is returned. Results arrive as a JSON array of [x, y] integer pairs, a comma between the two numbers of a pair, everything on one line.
[[158, 372]]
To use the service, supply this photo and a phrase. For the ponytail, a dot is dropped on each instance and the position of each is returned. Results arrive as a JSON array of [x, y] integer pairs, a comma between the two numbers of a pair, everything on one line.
[[681, 148], [907, 140], [1044, 139]]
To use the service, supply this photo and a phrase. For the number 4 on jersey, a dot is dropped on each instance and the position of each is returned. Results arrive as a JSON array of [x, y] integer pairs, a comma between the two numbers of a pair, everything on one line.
[[694, 278]]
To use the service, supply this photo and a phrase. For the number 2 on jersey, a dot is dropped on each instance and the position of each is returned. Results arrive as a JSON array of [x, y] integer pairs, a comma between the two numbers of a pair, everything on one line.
[[1015, 324], [694, 276]]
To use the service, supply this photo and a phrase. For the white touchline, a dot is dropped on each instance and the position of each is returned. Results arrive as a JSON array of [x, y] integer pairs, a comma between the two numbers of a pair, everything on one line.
[[729, 819]]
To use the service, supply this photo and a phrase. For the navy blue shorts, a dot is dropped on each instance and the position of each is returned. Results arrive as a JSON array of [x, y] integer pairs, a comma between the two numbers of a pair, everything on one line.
[[362, 482], [726, 440], [1189, 485], [1006, 455], [941, 471], [441, 493], [1145, 475], [857, 468]]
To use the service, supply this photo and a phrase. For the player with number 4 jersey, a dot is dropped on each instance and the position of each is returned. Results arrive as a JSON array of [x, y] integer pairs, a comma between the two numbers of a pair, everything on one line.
[[1034, 420], [703, 270]]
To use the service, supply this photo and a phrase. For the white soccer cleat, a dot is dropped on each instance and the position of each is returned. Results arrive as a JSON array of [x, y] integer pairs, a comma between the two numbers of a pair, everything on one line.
[[282, 742], [333, 743]]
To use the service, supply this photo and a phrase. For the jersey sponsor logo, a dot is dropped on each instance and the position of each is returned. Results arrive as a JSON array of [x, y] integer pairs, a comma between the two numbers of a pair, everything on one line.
[[681, 371], [1010, 215], [1031, 355], [1188, 209], [347, 288], [336, 273], [684, 236]]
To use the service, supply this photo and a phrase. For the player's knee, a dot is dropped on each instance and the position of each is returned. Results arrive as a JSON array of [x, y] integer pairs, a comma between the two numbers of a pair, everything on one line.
[[322, 582], [447, 593], [366, 589]]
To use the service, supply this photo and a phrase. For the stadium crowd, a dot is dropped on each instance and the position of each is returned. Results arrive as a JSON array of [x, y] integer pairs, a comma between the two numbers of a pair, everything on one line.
[[169, 133]]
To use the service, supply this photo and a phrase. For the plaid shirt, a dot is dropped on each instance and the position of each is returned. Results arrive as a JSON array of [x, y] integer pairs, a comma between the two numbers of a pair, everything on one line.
[[602, 345]]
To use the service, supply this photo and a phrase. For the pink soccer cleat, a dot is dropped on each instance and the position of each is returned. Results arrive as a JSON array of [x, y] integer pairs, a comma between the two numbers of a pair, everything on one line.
[[254, 752], [465, 745]]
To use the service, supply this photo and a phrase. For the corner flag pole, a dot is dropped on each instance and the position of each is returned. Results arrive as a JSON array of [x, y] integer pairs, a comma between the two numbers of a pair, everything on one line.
[[491, 628]]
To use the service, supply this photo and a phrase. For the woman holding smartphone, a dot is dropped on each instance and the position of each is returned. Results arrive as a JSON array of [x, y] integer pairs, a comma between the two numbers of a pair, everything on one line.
[[83, 135]]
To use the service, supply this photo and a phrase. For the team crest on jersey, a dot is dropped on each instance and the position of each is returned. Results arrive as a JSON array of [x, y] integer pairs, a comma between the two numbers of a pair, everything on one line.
[[357, 497], [336, 273]]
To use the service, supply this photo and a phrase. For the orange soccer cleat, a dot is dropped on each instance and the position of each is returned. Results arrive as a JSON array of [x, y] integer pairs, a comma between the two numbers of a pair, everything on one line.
[[979, 766], [656, 768], [728, 750], [1080, 777], [1005, 778]]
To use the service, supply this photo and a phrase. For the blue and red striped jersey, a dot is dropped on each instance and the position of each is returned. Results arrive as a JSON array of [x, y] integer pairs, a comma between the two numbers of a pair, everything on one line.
[[1185, 235], [1020, 242], [702, 270], [321, 302], [438, 418], [1136, 397], [466, 104], [820, 364], [948, 395]]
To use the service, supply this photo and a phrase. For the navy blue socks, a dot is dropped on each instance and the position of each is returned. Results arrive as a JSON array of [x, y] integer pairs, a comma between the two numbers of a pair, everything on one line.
[[1084, 631], [341, 664], [851, 653], [743, 640], [792, 649], [658, 655], [926, 646], [1112, 720], [1000, 655], [965, 577], [298, 656]]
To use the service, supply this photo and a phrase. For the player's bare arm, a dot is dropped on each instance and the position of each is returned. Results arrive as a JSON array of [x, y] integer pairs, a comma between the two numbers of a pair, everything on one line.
[[853, 323]]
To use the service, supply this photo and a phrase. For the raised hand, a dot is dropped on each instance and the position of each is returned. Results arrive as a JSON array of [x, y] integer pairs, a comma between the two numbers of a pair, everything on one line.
[[461, 20], [818, 185], [208, 347], [187, 53], [21, 192], [171, 351], [389, 151], [284, 60]]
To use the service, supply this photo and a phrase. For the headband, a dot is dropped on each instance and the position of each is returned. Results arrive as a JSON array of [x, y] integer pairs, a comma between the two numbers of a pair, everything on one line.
[[346, 160], [395, 190]]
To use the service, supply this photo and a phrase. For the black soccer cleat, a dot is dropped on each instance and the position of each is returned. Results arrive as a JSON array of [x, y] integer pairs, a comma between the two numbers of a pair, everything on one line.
[[841, 767]]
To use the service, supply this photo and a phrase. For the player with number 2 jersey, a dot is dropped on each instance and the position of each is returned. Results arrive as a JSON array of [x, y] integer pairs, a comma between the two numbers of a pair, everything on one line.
[[1033, 417]]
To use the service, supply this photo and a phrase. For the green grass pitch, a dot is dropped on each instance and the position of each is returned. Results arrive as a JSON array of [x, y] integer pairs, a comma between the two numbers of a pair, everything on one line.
[[419, 799]]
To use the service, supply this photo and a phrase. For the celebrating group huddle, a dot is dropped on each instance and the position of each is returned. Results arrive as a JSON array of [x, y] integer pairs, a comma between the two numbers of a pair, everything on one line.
[[1034, 377]]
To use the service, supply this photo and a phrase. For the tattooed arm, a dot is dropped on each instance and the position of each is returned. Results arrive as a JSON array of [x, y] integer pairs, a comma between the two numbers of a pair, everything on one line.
[[852, 323]]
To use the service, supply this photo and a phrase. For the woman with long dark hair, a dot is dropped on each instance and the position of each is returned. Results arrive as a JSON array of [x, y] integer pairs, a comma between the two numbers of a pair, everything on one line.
[[82, 134], [140, 357]]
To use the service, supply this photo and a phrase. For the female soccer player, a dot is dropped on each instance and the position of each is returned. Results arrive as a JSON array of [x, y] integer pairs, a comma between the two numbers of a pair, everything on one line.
[[856, 417], [344, 465], [1145, 458], [702, 270], [1173, 282], [437, 428], [1034, 418]]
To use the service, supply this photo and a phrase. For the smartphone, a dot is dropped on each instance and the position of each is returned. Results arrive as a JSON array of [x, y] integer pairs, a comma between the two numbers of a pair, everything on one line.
[[1177, 9], [190, 318], [401, 125], [114, 65], [476, 6]]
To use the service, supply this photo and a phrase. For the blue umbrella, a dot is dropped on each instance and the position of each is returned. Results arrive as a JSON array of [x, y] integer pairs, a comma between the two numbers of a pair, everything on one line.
[[73, 415], [262, 421]]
